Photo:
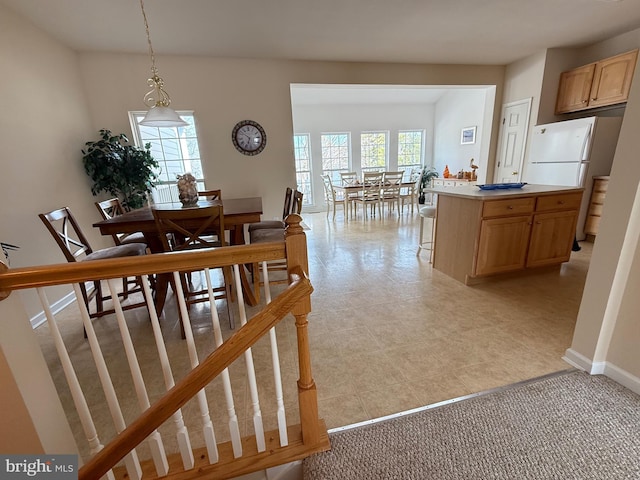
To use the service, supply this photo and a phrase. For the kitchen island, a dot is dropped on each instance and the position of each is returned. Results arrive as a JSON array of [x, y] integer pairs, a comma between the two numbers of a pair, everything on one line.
[[484, 233]]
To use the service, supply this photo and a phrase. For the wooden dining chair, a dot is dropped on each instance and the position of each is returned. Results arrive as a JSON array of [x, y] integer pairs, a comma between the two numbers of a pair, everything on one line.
[[296, 202], [332, 197], [196, 228], [210, 194], [76, 248], [390, 191], [349, 178], [370, 192], [409, 193], [268, 224], [263, 235], [113, 208]]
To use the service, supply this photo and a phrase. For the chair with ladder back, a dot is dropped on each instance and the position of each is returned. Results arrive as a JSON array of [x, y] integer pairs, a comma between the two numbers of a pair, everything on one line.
[[68, 235]]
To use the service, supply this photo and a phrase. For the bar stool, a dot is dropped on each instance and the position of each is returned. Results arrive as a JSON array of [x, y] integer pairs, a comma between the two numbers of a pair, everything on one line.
[[428, 212]]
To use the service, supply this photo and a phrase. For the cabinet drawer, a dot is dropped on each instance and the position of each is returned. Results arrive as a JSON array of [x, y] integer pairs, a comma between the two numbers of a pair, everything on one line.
[[565, 201], [514, 206], [592, 225], [597, 198], [600, 185], [595, 210]]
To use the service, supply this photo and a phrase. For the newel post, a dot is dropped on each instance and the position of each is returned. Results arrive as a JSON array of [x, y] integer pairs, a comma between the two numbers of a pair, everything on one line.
[[296, 246]]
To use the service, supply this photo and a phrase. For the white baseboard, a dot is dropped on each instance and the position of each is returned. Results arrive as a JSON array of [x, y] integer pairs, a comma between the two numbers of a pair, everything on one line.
[[288, 471], [578, 360], [607, 369], [56, 307], [623, 377]]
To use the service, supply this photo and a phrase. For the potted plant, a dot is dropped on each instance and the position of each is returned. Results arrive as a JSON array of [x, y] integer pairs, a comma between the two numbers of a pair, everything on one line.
[[120, 168], [427, 174]]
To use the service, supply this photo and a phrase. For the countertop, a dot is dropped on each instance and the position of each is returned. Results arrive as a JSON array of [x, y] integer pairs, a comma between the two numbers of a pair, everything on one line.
[[474, 193]]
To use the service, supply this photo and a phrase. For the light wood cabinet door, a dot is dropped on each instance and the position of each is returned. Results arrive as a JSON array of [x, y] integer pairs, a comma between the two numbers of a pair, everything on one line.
[[503, 244], [598, 84], [552, 236], [575, 88], [612, 79]]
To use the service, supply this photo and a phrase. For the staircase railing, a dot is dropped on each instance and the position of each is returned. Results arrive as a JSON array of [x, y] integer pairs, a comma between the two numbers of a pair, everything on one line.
[[227, 372]]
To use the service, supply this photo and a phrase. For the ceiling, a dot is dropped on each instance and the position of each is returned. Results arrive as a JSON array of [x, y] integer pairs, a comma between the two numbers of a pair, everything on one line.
[[492, 32], [325, 94]]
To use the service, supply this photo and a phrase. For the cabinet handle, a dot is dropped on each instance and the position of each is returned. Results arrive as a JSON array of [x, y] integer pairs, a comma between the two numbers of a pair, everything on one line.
[[509, 207], [584, 101], [560, 202]]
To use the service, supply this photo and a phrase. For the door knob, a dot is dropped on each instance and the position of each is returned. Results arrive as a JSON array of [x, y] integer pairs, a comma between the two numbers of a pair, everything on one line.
[[514, 173]]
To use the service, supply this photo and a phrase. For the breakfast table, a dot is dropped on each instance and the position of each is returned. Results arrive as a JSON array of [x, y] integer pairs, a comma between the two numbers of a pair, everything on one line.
[[352, 190], [237, 213]]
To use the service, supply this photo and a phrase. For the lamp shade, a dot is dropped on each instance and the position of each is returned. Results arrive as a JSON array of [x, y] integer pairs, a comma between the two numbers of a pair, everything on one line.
[[159, 116]]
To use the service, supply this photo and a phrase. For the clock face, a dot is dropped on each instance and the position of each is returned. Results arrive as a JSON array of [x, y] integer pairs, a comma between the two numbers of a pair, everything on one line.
[[249, 137]]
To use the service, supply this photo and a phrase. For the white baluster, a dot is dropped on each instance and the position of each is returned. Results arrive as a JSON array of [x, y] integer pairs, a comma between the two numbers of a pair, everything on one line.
[[275, 359], [155, 440], [234, 429], [131, 461], [207, 426], [77, 395], [251, 373], [182, 434]]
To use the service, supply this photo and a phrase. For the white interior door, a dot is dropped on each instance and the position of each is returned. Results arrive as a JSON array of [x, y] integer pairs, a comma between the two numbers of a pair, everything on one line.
[[513, 136]]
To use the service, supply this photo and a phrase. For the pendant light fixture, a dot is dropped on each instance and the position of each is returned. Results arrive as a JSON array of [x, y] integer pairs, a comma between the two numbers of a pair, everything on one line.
[[157, 99]]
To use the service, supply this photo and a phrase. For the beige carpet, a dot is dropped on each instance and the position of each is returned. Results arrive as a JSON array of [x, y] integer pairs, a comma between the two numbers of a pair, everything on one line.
[[567, 426]]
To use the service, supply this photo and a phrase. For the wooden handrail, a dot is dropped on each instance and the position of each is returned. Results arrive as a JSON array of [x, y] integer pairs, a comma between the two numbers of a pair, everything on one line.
[[198, 378], [63, 273], [307, 438]]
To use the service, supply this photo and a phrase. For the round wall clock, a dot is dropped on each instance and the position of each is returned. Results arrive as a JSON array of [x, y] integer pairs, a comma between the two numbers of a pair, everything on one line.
[[249, 137]]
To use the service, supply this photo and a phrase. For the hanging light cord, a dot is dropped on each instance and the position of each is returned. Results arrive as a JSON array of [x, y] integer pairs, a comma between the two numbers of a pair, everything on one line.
[[146, 28], [157, 97]]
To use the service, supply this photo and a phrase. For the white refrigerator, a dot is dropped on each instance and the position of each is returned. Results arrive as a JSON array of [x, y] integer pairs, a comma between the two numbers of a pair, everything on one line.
[[571, 153]]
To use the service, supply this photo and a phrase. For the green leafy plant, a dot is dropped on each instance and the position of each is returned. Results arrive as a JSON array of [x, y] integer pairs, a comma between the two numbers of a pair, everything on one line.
[[120, 168], [427, 174]]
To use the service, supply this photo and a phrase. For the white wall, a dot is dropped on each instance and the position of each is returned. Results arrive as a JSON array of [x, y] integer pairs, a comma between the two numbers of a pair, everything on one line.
[[524, 79], [441, 121], [224, 91], [318, 119], [44, 124], [456, 110], [623, 348]]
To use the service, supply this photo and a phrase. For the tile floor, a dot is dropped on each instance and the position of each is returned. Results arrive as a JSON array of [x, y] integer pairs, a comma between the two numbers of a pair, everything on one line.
[[387, 332]]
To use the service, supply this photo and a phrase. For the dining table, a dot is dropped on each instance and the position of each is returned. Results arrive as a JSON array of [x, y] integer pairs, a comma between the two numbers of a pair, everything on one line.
[[238, 212], [351, 190], [357, 187]]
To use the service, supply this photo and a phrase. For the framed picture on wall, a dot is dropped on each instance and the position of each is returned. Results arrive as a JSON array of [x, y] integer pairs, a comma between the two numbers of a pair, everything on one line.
[[468, 135]]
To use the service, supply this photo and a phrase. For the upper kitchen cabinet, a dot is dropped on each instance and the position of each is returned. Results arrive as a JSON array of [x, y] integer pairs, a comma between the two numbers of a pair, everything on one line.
[[598, 84]]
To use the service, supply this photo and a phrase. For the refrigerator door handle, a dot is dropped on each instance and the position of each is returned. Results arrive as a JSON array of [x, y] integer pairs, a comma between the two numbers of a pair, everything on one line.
[[582, 174], [586, 144]]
